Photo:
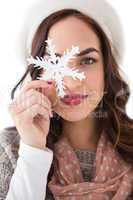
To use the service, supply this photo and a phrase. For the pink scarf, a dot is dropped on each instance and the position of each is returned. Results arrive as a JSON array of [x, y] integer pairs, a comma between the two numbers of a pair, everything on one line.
[[113, 178]]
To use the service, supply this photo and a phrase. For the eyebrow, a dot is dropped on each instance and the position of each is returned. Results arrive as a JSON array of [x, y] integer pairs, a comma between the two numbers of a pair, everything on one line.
[[85, 51]]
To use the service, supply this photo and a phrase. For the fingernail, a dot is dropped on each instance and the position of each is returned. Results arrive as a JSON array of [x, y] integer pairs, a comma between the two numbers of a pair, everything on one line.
[[49, 82], [51, 114]]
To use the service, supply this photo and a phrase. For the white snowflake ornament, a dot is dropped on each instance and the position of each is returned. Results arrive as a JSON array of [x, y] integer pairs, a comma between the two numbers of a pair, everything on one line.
[[56, 68]]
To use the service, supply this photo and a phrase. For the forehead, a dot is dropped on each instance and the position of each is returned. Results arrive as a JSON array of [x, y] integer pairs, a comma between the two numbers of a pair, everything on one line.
[[73, 31]]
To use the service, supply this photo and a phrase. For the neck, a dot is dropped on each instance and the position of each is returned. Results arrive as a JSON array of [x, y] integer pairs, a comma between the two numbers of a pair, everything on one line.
[[81, 134]]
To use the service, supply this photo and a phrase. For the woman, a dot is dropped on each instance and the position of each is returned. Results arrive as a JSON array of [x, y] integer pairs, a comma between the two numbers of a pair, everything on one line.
[[84, 149]]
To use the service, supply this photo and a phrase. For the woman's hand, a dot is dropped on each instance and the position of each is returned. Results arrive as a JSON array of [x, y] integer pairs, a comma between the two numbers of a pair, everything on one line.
[[31, 112]]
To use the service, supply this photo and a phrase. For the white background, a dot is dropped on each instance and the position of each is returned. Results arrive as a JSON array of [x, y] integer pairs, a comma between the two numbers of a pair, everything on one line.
[[12, 14]]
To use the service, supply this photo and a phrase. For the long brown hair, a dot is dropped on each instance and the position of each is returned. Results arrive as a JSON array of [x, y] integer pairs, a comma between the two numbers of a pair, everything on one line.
[[117, 124]]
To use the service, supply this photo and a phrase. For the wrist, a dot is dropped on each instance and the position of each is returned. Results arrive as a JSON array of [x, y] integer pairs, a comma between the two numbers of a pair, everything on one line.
[[40, 145]]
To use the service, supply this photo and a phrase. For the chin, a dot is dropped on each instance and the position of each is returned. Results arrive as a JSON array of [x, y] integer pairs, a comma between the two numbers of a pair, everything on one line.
[[74, 114], [73, 117]]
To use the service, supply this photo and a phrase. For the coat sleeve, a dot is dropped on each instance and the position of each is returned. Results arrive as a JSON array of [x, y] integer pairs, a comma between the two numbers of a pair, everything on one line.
[[28, 178], [6, 171], [8, 156]]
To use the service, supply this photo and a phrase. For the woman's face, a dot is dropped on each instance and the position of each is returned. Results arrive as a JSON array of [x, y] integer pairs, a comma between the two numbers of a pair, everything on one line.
[[73, 31]]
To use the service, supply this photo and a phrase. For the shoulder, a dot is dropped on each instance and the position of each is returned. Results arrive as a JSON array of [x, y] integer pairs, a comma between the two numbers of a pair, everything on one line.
[[9, 145]]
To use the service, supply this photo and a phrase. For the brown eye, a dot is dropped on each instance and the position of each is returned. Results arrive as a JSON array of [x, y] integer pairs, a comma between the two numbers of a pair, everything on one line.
[[87, 61]]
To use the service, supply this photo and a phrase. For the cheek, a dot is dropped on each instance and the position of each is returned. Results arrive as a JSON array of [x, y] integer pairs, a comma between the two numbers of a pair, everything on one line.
[[94, 84], [95, 77], [95, 80]]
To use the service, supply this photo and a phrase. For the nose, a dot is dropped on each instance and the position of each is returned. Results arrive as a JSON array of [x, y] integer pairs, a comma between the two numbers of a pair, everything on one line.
[[71, 83]]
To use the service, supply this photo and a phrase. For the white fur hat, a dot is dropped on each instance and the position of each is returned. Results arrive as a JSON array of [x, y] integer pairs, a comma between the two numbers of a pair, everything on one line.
[[100, 10]]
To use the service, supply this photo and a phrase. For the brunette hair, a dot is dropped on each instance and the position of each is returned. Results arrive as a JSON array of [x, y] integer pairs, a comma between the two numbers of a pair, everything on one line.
[[117, 124]]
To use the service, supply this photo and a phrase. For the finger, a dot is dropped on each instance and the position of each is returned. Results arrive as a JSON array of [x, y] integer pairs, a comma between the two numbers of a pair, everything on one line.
[[33, 111], [23, 101], [42, 93], [31, 101], [32, 92], [35, 84], [47, 89]]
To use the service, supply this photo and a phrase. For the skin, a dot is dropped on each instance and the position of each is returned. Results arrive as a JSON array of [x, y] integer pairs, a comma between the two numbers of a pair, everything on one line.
[[31, 109], [78, 121]]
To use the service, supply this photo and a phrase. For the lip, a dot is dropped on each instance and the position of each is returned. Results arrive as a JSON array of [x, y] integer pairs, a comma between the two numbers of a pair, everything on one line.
[[74, 99]]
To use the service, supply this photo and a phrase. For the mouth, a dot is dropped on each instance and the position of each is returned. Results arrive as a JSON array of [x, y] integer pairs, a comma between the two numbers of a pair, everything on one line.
[[74, 99]]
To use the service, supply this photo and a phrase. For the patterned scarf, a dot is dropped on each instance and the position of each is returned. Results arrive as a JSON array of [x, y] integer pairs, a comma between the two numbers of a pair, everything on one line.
[[112, 179]]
